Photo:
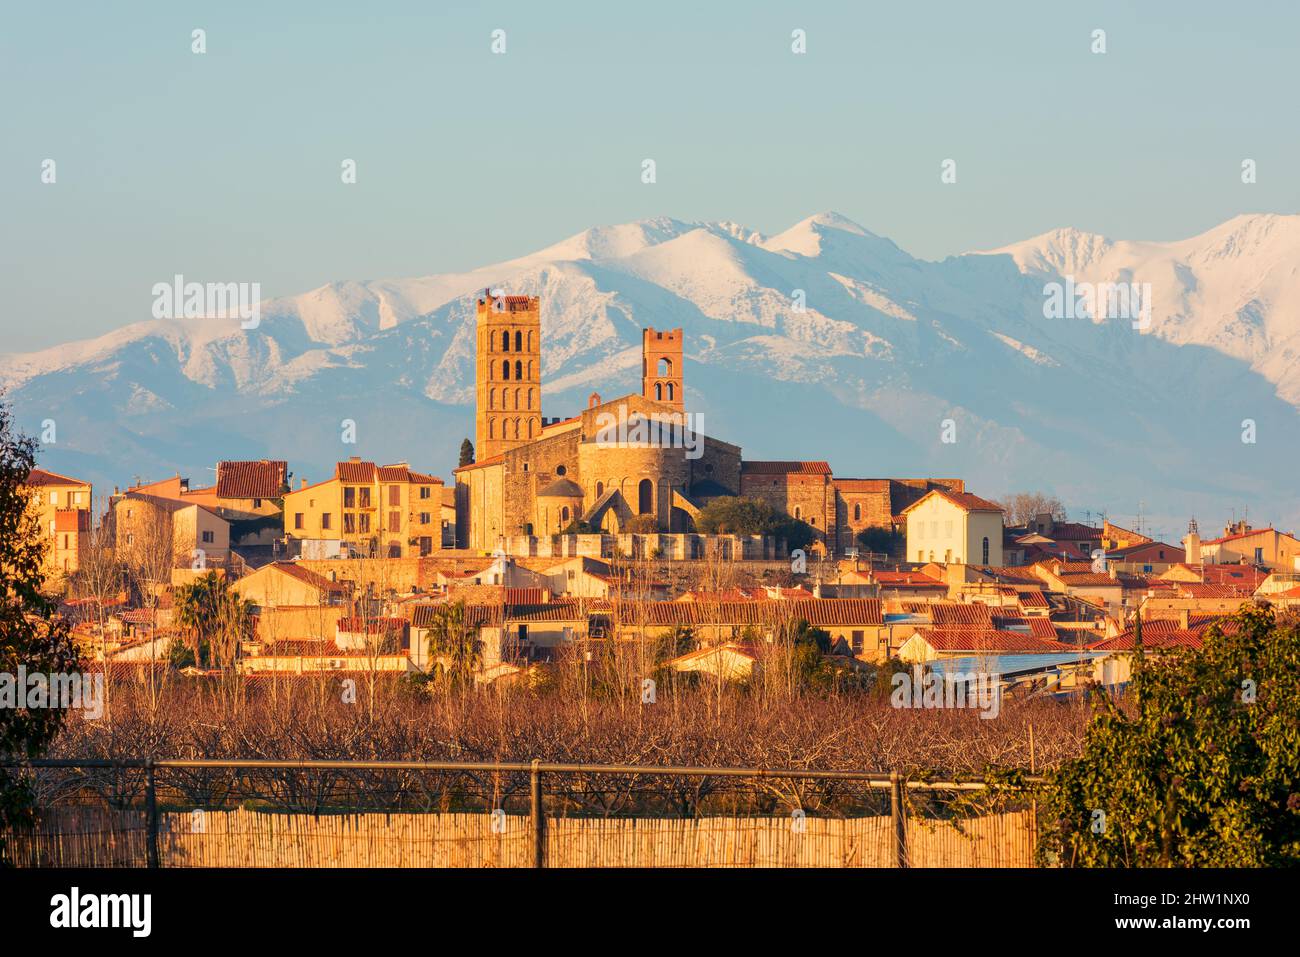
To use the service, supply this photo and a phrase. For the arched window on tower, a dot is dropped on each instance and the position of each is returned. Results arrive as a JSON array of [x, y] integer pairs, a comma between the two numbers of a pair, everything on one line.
[[645, 495], [492, 428], [516, 428], [519, 369], [505, 340], [659, 391], [492, 398], [505, 369], [530, 370], [857, 513], [530, 399], [665, 367], [986, 551], [519, 341], [517, 392], [670, 392]]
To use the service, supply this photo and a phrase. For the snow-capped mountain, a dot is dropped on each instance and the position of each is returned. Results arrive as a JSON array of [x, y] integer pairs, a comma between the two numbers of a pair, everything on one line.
[[824, 341]]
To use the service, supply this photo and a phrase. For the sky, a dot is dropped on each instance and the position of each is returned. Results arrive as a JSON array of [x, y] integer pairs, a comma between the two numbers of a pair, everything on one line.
[[226, 165]]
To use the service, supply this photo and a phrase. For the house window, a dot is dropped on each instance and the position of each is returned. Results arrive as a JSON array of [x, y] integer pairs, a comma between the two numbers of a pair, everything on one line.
[[856, 642], [325, 520], [424, 518], [364, 524], [560, 470], [394, 521], [986, 551], [349, 523], [54, 498], [424, 491], [130, 538], [349, 497], [1259, 556], [257, 503], [394, 495], [208, 537], [76, 498], [363, 497], [297, 519], [798, 512], [857, 513], [426, 545]]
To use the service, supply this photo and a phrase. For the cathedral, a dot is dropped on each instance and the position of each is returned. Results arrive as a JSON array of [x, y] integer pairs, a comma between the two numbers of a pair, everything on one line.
[[634, 463], [631, 463]]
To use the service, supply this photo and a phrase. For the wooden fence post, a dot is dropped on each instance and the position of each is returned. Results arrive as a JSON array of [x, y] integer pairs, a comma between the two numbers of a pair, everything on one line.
[[151, 804], [537, 816], [899, 815]]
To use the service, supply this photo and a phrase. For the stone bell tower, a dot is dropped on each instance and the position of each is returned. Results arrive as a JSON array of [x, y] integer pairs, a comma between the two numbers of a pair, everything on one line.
[[508, 372], [661, 366]]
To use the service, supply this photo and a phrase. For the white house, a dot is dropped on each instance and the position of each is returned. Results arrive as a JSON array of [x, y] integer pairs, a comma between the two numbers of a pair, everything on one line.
[[954, 528]]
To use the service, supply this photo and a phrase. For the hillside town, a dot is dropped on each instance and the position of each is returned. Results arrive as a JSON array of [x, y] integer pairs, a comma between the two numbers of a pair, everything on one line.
[[623, 524]]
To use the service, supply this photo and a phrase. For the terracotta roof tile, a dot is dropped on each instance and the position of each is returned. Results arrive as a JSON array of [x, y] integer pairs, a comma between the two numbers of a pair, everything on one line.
[[261, 479]]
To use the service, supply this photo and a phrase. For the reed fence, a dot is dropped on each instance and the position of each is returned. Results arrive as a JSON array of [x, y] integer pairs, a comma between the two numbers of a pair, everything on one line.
[[177, 813]]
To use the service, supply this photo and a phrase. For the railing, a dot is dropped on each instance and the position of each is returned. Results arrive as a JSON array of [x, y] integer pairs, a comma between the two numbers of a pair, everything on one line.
[[354, 782]]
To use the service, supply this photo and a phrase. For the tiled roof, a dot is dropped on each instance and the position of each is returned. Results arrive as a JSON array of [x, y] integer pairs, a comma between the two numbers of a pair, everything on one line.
[[988, 641], [39, 477], [963, 500], [494, 595], [1240, 535], [1151, 640], [403, 473], [913, 579], [1198, 590], [949, 613], [493, 460], [308, 577], [1033, 599], [262, 479], [785, 468], [372, 625], [355, 471], [1088, 579]]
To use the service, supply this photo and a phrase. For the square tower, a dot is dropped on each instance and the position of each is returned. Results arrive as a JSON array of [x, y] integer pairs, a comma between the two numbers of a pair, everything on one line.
[[508, 370], [661, 366]]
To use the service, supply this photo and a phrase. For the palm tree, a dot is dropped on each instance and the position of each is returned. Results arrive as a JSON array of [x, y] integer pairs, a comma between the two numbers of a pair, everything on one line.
[[215, 617], [451, 637]]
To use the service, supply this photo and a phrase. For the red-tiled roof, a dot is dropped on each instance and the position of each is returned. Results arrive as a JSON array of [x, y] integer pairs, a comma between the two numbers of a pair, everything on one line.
[[39, 477], [371, 625], [1240, 535], [492, 460], [899, 579], [1151, 640], [988, 641], [308, 577], [262, 479], [494, 595], [355, 471], [785, 468], [963, 500], [949, 613]]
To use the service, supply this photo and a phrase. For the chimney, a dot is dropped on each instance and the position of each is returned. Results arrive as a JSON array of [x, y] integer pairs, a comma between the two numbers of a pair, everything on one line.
[[302, 482], [1184, 618]]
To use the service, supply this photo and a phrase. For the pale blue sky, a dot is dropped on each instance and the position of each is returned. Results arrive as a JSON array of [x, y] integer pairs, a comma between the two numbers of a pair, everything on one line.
[[226, 166]]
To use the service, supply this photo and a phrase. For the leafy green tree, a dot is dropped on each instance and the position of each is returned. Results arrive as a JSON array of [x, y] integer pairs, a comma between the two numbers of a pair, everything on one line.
[[466, 453], [31, 634], [882, 540], [1198, 767], [737, 515], [214, 619]]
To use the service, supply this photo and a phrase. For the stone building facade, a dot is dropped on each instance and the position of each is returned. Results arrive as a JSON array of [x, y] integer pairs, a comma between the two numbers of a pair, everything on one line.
[[631, 464]]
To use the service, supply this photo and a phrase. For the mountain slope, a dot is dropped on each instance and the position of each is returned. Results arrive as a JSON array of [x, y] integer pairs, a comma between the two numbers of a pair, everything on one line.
[[884, 348]]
